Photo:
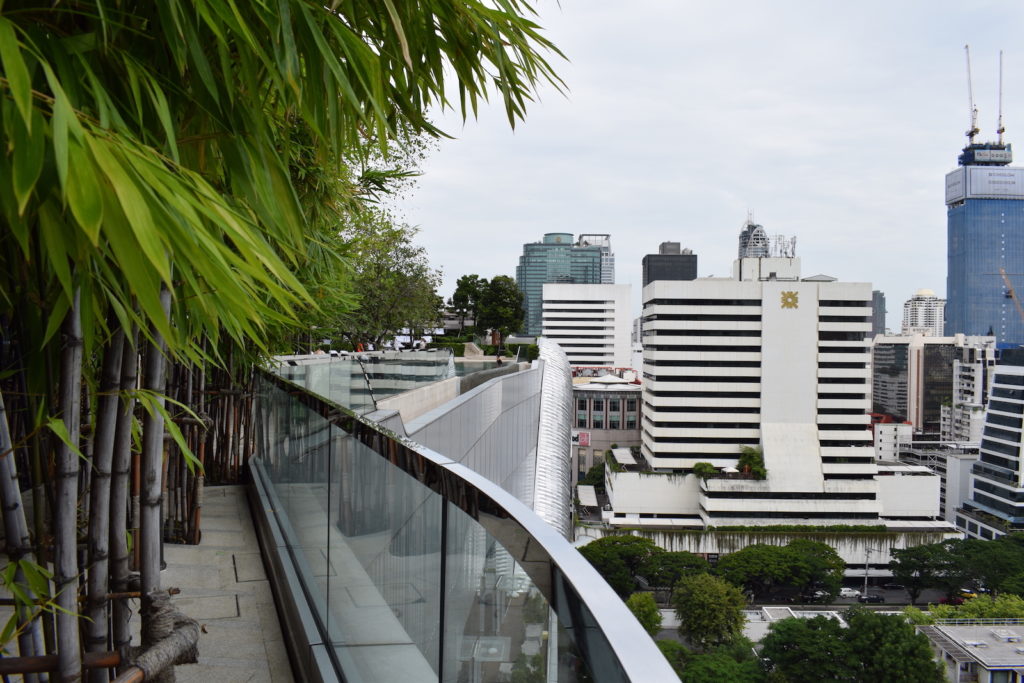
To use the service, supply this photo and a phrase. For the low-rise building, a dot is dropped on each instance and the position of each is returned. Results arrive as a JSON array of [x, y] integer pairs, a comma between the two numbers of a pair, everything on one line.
[[607, 414], [979, 650]]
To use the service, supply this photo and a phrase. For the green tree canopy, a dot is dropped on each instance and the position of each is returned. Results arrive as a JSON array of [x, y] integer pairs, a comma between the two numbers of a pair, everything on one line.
[[664, 568], [715, 666], [466, 298], [757, 568], [645, 610], [704, 470], [1002, 606], [500, 307], [618, 559], [710, 610], [808, 650], [886, 648]]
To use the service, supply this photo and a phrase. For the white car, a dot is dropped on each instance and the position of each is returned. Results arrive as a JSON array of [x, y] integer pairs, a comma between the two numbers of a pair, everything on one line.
[[845, 592]]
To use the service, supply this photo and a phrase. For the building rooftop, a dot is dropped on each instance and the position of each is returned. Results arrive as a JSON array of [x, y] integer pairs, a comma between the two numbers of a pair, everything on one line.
[[994, 645]]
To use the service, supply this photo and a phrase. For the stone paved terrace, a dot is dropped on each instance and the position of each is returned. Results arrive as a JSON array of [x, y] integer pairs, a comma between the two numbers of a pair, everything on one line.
[[224, 587]]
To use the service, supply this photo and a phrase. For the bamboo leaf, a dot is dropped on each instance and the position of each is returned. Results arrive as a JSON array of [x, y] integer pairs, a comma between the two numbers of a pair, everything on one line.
[[57, 426], [29, 148], [85, 193], [16, 71]]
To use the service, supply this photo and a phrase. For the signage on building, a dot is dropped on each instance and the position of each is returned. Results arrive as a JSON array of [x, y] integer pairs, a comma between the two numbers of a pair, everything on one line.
[[580, 438], [993, 155], [984, 182]]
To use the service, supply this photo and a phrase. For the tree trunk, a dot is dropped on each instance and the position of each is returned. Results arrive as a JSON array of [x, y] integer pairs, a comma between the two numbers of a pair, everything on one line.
[[99, 520], [65, 514], [18, 541], [150, 532], [121, 467]]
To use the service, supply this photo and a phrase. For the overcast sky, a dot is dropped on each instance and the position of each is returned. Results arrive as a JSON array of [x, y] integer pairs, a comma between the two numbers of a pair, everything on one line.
[[832, 122]]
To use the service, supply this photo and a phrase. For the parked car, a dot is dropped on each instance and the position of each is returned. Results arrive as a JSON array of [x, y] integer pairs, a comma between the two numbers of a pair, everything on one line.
[[845, 592], [894, 587], [871, 598], [967, 593]]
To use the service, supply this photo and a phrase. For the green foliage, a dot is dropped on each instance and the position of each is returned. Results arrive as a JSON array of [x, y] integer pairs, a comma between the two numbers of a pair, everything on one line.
[[1003, 606], [752, 462], [809, 650], [716, 666], [466, 298], [595, 476], [500, 306], [874, 647], [645, 610], [618, 559], [887, 648], [526, 352], [664, 569], [676, 654], [535, 609], [529, 669], [802, 563], [704, 470], [709, 610], [917, 616], [1014, 584], [806, 528]]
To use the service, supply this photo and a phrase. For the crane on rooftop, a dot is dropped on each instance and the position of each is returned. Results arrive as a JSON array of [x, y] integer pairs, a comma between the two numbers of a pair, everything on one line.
[[973, 110]]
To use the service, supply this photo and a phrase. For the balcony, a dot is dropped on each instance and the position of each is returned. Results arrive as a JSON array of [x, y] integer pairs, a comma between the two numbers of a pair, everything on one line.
[[392, 562]]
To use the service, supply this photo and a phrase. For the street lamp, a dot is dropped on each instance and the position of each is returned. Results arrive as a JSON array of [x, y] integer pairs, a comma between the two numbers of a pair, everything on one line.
[[867, 558]]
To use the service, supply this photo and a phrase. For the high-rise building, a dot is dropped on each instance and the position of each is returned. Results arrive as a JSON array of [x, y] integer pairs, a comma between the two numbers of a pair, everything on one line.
[[670, 263], [985, 252], [877, 313], [590, 322], [753, 241], [607, 257], [912, 376], [997, 496], [557, 259], [923, 314], [973, 367]]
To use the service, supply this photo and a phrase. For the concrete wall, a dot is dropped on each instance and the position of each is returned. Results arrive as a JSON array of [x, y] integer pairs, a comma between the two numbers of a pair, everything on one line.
[[416, 402], [633, 493], [909, 495]]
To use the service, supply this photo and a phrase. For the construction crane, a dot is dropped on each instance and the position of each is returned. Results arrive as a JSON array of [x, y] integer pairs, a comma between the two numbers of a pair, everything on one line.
[[973, 130], [1000, 129], [1010, 294]]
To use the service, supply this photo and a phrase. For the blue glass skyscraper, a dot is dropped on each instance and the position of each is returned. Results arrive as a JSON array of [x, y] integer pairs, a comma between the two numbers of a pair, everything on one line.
[[558, 260], [985, 230]]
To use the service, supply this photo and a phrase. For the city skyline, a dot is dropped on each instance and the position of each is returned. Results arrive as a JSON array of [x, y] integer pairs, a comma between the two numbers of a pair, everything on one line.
[[836, 125]]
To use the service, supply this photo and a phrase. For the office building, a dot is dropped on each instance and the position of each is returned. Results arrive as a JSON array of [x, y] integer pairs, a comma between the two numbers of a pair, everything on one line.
[[590, 322], [753, 241], [557, 259], [997, 497], [962, 418], [923, 314], [607, 414], [985, 252], [912, 376], [607, 257], [672, 262], [878, 313]]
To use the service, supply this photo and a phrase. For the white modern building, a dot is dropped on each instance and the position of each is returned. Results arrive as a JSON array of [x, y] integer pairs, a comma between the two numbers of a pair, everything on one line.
[[591, 323], [973, 367], [997, 486], [923, 313]]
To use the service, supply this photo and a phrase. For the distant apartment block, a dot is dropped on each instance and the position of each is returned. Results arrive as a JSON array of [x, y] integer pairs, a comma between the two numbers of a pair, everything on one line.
[[558, 259], [672, 262], [590, 322], [878, 313], [923, 314], [963, 418]]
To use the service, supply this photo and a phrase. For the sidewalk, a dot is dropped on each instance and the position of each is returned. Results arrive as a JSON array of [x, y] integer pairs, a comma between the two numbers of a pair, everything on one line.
[[223, 586]]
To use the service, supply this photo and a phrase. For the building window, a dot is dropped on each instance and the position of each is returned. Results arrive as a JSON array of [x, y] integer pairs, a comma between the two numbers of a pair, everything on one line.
[[581, 404], [597, 421], [581, 419], [631, 404], [614, 421], [630, 421], [598, 406], [613, 405]]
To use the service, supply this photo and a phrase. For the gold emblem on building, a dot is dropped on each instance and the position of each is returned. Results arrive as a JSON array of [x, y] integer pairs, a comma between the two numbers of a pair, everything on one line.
[[790, 299]]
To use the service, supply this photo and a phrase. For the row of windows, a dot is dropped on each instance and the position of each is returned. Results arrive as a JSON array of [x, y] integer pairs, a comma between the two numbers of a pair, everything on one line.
[[843, 319], [842, 380], [826, 335], [709, 394], [1000, 392], [578, 301], [1005, 407], [704, 409], [578, 336], [751, 441], [597, 421], [789, 515], [997, 447], [577, 320], [577, 310], [1003, 434], [703, 302], [789, 495], [702, 333], [1015, 380], [1004, 420], [705, 425], [1006, 494], [843, 427], [1001, 505], [701, 316], [999, 462], [614, 404], [709, 349], [705, 363], [844, 397], [832, 303], [844, 444], [700, 378], [842, 366], [847, 460], [843, 349]]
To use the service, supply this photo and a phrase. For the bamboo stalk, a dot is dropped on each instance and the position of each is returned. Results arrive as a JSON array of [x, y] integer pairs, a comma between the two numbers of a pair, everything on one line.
[[150, 536], [16, 534], [121, 466], [65, 514], [99, 521]]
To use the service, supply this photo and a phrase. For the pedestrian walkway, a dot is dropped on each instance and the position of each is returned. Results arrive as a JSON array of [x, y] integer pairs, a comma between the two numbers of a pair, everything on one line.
[[224, 587]]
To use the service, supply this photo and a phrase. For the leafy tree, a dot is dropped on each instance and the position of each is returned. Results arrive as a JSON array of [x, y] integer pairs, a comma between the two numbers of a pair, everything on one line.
[[1002, 606], [757, 568], [815, 565], [917, 567], [1013, 584], [704, 470], [710, 610], [887, 648], [752, 462], [716, 666], [808, 650], [645, 610], [618, 559], [676, 654], [500, 308], [466, 298], [993, 562], [392, 282], [595, 476], [665, 568]]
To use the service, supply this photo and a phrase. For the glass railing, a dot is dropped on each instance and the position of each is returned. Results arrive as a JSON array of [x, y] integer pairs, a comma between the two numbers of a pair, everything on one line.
[[416, 568]]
